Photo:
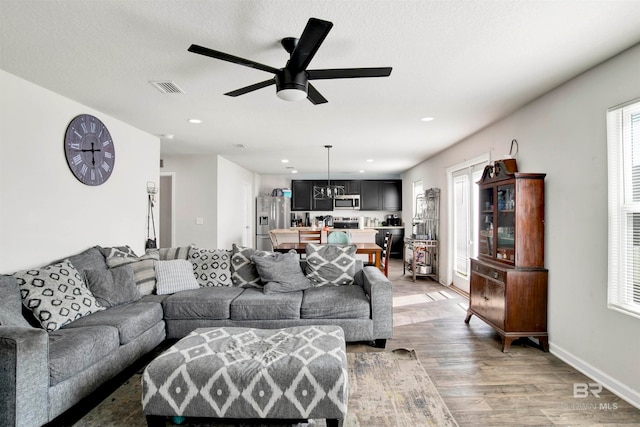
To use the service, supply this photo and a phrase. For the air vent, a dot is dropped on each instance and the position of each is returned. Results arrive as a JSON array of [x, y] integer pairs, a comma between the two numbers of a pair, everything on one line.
[[241, 145], [167, 87]]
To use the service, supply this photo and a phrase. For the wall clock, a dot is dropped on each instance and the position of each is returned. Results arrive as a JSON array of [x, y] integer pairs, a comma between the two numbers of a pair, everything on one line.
[[89, 150]]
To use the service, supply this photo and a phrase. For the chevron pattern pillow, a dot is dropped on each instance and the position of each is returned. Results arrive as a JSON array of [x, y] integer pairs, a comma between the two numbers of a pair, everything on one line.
[[331, 264]]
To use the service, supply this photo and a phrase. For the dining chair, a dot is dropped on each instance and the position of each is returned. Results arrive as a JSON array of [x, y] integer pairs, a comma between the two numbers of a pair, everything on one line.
[[338, 238], [274, 239], [386, 251], [310, 236]]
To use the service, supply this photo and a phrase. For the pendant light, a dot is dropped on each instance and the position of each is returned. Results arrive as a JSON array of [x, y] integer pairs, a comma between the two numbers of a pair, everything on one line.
[[328, 191]]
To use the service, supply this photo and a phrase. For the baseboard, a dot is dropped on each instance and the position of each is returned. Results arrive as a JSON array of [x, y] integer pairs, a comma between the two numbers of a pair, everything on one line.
[[616, 387]]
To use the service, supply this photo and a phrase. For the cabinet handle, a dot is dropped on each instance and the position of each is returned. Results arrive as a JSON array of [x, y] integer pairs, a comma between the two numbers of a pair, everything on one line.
[[495, 274], [486, 298]]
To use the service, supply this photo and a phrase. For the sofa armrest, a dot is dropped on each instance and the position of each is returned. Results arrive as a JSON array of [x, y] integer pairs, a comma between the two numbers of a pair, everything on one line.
[[380, 290], [24, 376]]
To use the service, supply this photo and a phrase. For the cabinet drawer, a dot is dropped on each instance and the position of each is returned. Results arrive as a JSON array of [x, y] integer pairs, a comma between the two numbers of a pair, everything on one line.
[[490, 272]]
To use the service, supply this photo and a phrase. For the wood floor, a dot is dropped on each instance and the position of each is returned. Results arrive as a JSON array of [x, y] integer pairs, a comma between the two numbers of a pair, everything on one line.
[[481, 385]]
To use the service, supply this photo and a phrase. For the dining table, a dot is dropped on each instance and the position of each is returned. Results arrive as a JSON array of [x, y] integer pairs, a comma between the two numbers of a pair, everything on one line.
[[372, 250]]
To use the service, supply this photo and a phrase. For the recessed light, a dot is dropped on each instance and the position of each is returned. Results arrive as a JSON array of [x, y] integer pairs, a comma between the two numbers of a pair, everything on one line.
[[294, 171], [167, 135], [195, 121], [284, 161], [361, 171], [369, 160], [427, 119]]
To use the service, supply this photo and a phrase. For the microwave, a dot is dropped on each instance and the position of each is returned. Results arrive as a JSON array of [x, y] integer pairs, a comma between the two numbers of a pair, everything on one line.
[[346, 202]]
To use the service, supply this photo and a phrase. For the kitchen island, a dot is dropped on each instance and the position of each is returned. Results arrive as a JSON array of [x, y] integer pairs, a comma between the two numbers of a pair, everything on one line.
[[290, 235]]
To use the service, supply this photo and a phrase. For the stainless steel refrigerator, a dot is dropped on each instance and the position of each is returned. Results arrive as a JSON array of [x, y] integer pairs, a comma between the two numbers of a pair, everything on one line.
[[271, 213]]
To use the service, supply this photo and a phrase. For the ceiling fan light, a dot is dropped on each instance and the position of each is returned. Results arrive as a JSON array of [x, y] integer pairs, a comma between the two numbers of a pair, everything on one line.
[[292, 94]]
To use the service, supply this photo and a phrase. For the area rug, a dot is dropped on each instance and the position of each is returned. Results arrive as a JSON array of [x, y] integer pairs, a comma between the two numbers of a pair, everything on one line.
[[385, 389]]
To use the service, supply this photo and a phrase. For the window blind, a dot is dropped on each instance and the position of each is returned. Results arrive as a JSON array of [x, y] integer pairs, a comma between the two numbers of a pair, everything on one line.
[[623, 144]]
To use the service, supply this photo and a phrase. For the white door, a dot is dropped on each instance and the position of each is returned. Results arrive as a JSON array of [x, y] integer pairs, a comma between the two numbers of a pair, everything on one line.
[[247, 214], [463, 217]]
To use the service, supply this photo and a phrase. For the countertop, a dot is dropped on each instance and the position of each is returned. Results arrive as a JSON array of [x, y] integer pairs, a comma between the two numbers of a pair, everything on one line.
[[295, 230]]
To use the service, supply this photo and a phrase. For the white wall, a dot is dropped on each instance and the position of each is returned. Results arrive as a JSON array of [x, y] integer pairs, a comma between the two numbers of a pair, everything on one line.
[[236, 205], [563, 134], [45, 212], [196, 194]]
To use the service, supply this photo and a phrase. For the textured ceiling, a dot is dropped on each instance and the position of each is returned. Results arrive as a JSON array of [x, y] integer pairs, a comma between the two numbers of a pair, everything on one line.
[[465, 63]]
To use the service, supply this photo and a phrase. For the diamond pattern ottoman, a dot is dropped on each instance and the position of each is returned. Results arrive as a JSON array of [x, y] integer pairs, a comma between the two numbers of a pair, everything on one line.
[[231, 373]]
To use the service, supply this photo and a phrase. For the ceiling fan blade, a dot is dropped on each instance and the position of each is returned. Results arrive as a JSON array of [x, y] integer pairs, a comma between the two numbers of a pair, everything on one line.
[[310, 40], [348, 73], [314, 96], [251, 88], [200, 50]]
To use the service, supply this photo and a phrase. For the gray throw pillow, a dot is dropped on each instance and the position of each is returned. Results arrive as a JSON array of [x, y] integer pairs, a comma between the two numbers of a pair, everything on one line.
[[331, 264], [11, 303], [143, 267], [113, 287], [281, 272], [243, 271], [175, 275]]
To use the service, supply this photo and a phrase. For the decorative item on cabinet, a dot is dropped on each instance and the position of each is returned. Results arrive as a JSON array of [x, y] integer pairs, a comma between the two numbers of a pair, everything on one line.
[[508, 286]]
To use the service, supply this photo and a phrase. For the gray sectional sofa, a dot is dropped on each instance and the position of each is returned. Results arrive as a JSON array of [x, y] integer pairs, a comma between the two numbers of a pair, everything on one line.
[[47, 367]]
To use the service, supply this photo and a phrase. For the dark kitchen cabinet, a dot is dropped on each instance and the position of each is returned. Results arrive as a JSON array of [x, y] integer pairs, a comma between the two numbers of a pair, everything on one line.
[[351, 187], [508, 286], [301, 195], [376, 195], [321, 204], [370, 195], [392, 195]]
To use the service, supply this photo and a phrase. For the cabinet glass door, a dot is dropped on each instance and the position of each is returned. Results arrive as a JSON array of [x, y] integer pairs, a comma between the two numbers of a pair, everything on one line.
[[487, 212], [505, 242]]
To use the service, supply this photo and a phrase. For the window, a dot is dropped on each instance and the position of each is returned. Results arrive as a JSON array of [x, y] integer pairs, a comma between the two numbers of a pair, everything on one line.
[[417, 189], [623, 143]]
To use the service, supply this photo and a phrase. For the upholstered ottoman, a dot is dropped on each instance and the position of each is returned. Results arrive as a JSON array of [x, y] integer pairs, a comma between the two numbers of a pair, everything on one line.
[[231, 373]]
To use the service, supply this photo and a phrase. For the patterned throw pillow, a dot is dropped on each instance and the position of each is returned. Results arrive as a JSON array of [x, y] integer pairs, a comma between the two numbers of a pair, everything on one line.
[[331, 264], [56, 295], [211, 267], [243, 271], [143, 267], [174, 253], [175, 275]]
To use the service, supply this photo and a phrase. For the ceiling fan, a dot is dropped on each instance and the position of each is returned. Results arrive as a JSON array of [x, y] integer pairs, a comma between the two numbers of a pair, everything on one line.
[[292, 81]]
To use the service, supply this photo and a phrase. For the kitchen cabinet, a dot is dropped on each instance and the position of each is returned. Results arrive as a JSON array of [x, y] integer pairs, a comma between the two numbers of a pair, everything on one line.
[[351, 187], [301, 195], [370, 196], [375, 195], [508, 286], [385, 195], [321, 204]]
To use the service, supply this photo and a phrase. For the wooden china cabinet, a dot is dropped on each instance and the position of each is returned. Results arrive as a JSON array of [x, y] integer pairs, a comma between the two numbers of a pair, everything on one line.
[[508, 287]]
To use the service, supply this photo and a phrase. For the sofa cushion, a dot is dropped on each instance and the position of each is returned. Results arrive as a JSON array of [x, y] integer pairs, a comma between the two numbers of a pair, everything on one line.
[[331, 264], [72, 350], [335, 302], [281, 272], [56, 294], [11, 303], [253, 304], [131, 320], [201, 303], [114, 286], [211, 267], [175, 275]]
